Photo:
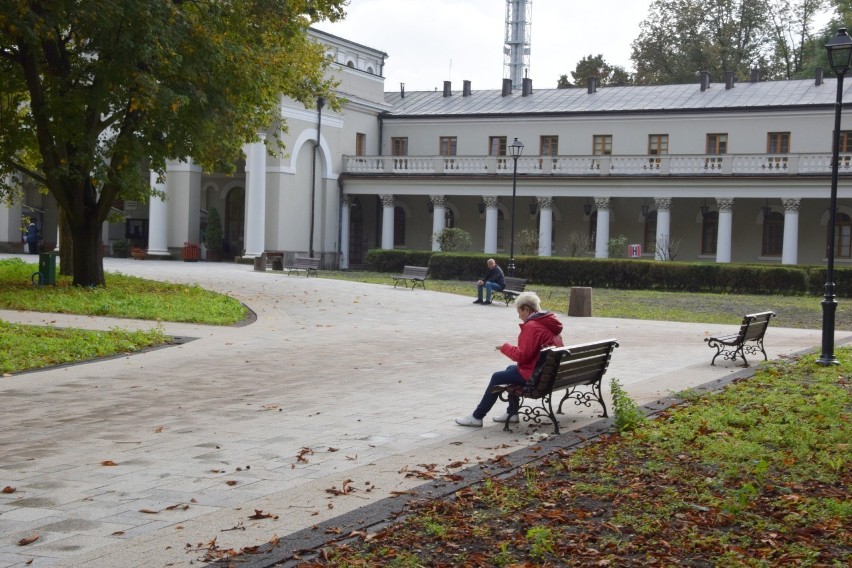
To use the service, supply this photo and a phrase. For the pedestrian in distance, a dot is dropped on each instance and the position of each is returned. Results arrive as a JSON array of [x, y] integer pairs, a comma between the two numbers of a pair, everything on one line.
[[32, 238], [539, 329], [493, 281]]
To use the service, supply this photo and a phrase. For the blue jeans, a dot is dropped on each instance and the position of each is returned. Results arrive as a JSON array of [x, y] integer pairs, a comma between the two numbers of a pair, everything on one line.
[[510, 376], [489, 287]]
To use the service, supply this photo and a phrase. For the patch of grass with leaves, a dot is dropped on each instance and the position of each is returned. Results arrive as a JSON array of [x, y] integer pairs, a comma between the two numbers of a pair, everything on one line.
[[123, 297], [24, 347], [755, 475]]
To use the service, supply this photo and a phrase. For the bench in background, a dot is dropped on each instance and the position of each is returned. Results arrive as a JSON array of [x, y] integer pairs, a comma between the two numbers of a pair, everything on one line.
[[561, 368], [749, 339], [303, 263], [514, 286], [414, 274]]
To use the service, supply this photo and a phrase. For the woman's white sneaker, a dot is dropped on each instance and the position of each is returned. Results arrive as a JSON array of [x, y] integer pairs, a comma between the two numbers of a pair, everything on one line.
[[503, 417], [469, 421]]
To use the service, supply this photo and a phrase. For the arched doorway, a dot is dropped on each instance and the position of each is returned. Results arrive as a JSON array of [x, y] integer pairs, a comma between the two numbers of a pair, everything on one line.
[[235, 208]]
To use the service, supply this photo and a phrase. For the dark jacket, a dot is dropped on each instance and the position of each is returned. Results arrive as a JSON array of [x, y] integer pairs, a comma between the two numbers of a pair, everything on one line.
[[495, 275], [32, 233]]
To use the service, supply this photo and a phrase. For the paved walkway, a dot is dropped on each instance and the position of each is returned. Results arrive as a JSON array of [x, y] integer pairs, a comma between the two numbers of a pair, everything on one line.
[[326, 404]]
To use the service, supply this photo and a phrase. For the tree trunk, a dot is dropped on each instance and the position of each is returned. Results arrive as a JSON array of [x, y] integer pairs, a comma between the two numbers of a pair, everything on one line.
[[87, 262], [66, 250]]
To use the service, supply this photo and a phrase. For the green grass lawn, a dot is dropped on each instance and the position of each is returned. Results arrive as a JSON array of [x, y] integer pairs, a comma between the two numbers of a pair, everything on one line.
[[24, 347], [756, 475]]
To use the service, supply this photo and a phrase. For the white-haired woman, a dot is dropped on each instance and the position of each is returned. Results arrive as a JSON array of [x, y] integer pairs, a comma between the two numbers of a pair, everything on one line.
[[538, 329]]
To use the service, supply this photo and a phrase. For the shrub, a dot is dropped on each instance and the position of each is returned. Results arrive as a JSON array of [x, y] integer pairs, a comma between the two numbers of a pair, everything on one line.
[[452, 239]]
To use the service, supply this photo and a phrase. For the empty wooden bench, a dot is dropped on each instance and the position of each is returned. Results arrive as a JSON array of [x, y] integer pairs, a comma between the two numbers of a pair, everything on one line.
[[303, 263], [514, 286], [414, 274], [749, 339], [560, 368]]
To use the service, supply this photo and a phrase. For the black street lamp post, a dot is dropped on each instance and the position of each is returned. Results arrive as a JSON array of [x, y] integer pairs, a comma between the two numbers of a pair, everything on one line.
[[516, 148], [839, 55]]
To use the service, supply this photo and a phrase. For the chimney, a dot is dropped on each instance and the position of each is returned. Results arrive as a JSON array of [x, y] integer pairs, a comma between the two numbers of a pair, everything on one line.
[[729, 80], [402, 90], [818, 78], [592, 84], [465, 88], [507, 87], [705, 80], [755, 75], [448, 88], [527, 87]]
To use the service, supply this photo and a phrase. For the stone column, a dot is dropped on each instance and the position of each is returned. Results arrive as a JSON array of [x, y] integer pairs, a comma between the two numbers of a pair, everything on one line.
[[726, 224], [183, 182], [790, 248], [664, 221], [255, 215], [388, 202], [345, 209], [545, 226], [491, 220], [158, 218], [602, 204], [439, 217]]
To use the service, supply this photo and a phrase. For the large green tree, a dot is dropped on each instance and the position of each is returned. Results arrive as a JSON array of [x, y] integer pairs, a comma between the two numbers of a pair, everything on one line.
[[595, 66], [95, 93], [679, 38]]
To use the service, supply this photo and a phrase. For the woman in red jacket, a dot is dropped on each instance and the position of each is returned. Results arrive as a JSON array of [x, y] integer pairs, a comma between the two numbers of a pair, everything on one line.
[[538, 329]]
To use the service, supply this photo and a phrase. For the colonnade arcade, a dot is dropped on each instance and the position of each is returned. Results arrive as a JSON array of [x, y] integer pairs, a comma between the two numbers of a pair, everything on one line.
[[715, 218]]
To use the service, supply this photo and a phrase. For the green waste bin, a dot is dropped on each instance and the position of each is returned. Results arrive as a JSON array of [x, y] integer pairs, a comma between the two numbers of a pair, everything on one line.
[[47, 268]]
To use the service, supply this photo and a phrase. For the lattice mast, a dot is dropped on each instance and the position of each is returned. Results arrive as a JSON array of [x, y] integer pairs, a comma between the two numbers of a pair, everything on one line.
[[516, 50]]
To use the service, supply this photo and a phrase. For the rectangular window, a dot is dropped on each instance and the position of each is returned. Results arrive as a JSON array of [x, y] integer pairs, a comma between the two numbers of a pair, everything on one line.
[[399, 146], [777, 143], [447, 146], [658, 145], [496, 145], [549, 145], [845, 147], [716, 144], [360, 144], [845, 141], [601, 146]]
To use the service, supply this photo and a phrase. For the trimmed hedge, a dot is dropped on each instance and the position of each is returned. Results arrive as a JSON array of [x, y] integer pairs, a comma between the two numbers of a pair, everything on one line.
[[623, 273]]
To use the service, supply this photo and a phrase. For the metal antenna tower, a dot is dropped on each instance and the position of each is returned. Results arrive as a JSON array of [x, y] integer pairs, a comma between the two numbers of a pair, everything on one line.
[[516, 50]]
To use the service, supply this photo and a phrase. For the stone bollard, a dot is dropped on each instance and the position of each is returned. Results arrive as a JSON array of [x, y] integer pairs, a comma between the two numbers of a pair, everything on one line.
[[580, 302], [260, 262]]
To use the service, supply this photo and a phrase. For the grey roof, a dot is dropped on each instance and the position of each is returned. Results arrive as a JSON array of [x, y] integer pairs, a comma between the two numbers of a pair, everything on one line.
[[765, 95]]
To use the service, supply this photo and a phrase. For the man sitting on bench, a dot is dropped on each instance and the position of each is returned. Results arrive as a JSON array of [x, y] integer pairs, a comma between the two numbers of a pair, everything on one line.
[[538, 329], [492, 282]]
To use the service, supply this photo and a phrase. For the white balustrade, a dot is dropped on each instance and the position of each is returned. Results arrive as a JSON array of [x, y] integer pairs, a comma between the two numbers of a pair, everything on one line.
[[640, 166]]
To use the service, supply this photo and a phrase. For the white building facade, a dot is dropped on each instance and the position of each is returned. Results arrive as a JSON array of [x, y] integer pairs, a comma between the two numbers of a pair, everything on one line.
[[721, 172]]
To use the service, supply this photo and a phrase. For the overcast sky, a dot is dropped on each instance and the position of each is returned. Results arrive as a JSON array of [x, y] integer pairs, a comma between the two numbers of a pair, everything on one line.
[[431, 41]]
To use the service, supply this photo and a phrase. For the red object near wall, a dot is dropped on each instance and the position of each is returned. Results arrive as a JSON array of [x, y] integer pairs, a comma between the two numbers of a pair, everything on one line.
[[191, 252]]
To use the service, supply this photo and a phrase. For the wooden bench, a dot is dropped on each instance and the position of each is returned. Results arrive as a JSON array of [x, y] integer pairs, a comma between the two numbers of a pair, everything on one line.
[[514, 286], [414, 274], [749, 339], [560, 368], [303, 263]]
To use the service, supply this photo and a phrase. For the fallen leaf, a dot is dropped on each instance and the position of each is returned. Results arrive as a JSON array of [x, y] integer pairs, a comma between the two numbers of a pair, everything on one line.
[[231, 482], [148, 511], [108, 463], [158, 429], [258, 514], [8, 489], [28, 540]]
